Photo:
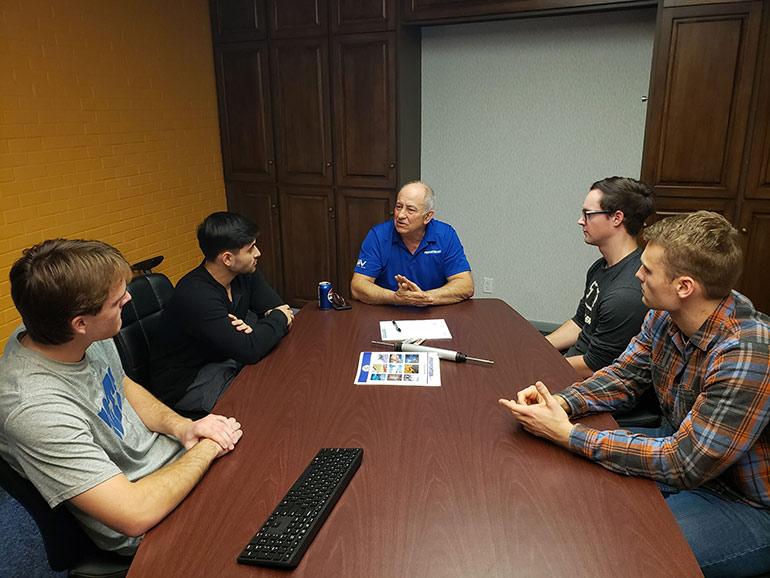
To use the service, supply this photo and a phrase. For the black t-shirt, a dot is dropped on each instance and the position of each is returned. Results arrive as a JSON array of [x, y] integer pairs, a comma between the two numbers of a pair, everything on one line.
[[611, 311]]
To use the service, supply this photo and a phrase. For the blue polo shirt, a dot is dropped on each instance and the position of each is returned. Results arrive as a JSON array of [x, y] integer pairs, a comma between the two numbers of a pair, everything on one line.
[[439, 256]]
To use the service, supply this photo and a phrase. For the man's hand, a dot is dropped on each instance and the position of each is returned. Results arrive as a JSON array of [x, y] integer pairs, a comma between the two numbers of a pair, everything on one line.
[[222, 430], [286, 310], [541, 413], [239, 324], [410, 294]]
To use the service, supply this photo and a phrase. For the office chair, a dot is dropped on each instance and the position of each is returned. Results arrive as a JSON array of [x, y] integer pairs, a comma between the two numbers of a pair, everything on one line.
[[66, 545], [141, 316]]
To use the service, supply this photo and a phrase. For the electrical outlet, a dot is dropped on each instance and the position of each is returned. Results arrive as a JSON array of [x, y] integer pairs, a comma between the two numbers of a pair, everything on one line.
[[489, 285]]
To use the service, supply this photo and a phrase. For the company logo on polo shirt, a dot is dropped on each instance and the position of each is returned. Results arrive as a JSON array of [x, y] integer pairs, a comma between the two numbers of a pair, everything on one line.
[[432, 251], [361, 264], [112, 405]]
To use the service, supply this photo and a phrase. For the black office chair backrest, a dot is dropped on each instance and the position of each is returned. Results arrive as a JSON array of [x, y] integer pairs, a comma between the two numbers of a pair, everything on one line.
[[141, 317], [64, 540]]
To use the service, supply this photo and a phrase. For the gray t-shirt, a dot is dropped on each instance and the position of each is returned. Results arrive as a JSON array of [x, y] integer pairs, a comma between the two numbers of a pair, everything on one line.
[[67, 427]]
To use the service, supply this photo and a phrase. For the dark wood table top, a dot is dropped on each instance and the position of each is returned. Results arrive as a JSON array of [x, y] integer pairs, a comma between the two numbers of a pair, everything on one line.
[[450, 484]]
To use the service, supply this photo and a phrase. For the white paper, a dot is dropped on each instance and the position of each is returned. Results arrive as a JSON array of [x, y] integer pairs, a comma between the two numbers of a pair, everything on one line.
[[415, 329], [398, 368]]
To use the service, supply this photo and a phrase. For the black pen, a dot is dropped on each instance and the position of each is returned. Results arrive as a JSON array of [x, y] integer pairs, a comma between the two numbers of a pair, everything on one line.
[[396, 326]]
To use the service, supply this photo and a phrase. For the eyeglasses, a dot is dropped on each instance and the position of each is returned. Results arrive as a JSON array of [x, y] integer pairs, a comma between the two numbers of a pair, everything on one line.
[[587, 214]]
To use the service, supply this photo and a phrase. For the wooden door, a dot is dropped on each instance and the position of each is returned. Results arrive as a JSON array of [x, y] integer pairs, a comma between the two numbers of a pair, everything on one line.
[[300, 74], [754, 225], [297, 18], [358, 210], [758, 167], [259, 202], [701, 87], [308, 242], [245, 121], [365, 110], [362, 15]]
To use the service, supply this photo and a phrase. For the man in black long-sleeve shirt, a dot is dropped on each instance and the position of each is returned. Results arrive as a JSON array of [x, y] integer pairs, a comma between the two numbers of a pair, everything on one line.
[[223, 315]]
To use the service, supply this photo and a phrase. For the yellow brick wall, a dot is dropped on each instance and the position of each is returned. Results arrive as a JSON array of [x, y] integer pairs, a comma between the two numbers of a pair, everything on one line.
[[109, 129]]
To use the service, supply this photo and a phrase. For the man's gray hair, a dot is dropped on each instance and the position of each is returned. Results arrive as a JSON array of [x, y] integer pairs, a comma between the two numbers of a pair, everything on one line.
[[430, 196]]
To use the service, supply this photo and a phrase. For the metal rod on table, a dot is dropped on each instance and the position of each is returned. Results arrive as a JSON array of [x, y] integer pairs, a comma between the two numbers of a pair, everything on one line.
[[442, 353]]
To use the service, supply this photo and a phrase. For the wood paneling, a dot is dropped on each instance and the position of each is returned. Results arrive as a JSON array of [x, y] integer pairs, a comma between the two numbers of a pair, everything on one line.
[[243, 88], [300, 71], [308, 239], [358, 210], [758, 173], [701, 92], [365, 111]]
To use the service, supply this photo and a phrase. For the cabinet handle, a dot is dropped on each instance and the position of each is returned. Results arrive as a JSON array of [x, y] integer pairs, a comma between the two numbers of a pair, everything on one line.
[[270, 162], [744, 230], [392, 165], [331, 213], [328, 164]]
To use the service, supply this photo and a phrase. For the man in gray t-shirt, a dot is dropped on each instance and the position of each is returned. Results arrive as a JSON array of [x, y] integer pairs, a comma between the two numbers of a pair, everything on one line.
[[72, 422], [611, 310]]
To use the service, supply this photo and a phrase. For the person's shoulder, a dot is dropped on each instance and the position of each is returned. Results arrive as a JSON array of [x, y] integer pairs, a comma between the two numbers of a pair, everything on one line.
[[442, 229], [745, 322]]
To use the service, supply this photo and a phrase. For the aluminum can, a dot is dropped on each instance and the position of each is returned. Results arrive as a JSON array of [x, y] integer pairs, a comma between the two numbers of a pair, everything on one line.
[[324, 301]]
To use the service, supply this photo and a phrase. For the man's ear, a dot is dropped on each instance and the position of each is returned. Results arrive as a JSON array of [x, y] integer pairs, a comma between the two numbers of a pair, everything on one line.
[[78, 325], [617, 218], [226, 257], [685, 286], [428, 217]]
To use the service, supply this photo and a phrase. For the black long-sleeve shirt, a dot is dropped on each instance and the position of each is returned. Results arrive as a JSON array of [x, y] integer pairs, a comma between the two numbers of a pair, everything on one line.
[[195, 329]]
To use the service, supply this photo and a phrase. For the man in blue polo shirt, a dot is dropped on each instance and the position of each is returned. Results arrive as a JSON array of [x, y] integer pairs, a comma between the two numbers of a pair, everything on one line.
[[414, 259]]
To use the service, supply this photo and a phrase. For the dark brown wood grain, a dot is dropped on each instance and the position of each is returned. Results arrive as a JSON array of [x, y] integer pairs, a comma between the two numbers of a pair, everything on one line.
[[450, 485]]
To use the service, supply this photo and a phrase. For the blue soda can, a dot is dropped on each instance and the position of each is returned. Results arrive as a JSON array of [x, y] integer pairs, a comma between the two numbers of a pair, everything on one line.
[[324, 301]]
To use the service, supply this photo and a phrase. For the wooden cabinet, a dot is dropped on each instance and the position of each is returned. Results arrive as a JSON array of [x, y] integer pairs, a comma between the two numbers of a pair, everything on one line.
[[417, 11], [362, 15], [244, 111], [321, 119], [236, 20], [358, 210], [259, 202], [308, 240], [364, 111], [300, 74], [708, 127], [297, 18]]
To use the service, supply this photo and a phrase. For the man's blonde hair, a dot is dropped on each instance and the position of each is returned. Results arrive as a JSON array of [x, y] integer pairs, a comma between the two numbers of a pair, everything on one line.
[[60, 279], [702, 245]]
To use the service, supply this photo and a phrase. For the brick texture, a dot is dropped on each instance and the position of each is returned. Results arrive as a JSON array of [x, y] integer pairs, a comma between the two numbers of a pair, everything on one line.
[[108, 129]]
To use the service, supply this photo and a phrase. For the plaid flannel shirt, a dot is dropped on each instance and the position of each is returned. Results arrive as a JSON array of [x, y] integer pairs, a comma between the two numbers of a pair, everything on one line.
[[714, 388]]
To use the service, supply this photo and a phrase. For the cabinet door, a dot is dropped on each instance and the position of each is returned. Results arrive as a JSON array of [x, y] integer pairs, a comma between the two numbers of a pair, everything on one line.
[[308, 242], [302, 110], [234, 20], [430, 10], [363, 15], [259, 203], [665, 207], [294, 18], [758, 174], [365, 110], [358, 211], [754, 225], [244, 111], [701, 86]]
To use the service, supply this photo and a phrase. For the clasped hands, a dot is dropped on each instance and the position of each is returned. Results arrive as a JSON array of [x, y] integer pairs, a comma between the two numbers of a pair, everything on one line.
[[224, 431], [410, 294], [540, 413]]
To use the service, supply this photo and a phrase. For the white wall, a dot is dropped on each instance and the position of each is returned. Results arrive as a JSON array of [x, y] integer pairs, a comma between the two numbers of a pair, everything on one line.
[[519, 117]]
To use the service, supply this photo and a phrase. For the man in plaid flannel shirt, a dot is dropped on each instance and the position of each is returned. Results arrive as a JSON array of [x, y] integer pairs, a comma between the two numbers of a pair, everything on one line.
[[706, 352]]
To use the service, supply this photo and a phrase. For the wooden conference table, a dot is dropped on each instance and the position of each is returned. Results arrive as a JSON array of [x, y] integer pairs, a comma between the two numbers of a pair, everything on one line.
[[450, 484]]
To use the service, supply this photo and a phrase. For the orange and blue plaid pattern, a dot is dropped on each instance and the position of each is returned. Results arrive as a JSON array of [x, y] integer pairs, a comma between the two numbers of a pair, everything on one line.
[[714, 388]]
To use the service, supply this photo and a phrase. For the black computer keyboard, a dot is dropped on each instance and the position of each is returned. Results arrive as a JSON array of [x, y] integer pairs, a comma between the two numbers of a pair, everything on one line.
[[288, 531]]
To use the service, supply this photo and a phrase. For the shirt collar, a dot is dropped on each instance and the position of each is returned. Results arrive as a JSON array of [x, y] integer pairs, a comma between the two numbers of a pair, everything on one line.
[[713, 325]]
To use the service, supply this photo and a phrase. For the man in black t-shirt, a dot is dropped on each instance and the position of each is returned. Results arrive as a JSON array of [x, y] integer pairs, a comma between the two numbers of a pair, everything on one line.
[[611, 311]]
